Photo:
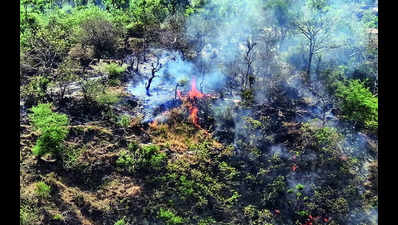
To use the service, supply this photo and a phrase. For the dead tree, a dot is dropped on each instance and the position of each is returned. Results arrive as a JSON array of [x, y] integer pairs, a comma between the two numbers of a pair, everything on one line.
[[249, 59], [155, 68]]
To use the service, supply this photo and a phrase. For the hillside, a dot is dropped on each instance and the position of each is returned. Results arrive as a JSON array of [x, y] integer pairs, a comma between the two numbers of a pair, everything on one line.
[[199, 112]]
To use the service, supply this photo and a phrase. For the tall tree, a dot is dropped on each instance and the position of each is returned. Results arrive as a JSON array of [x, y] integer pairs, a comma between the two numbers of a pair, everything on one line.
[[315, 24]]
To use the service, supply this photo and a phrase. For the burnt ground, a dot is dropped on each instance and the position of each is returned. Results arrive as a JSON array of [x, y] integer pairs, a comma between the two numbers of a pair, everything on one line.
[[87, 186]]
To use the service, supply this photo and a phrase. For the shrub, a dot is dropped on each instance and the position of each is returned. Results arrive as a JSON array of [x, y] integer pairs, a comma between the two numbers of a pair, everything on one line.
[[152, 157], [114, 82], [126, 160], [107, 98], [27, 215], [35, 91], [169, 217], [95, 90], [58, 217], [299, 187], [113, 70], [146, 157], [358, 104], [120, 222], [248, 96], [100, 33], [124, 121], [135, 29], [65, 74], [325, 138], [133, 146], [82, 53], [70, 157], [207, 221], [52, 127], [42, 190], [186, 186]]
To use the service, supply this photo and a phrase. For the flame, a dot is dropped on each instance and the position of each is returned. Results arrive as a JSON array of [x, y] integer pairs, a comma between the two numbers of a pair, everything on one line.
[[179, 94], [154, 123], [189, 101], [194, 115], [194, 93]]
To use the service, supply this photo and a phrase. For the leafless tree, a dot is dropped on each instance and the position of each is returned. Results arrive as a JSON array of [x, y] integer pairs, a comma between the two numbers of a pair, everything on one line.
[[249, 57], [155, 68], [317, 33]]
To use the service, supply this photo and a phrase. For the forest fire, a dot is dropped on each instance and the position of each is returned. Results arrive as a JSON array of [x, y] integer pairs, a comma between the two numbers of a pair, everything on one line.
[[194, 92], [190, 100]]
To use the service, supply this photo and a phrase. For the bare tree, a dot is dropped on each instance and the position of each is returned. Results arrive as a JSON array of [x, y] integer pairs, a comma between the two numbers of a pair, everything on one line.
[[248, 59], [155, 68], [317, 33]]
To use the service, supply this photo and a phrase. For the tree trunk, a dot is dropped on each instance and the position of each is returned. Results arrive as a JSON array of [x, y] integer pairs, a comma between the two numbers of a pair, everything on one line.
[[149, 85], [311, 53]]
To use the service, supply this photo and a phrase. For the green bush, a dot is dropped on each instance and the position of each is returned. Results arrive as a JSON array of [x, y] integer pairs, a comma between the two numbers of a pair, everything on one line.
[[133, 146], [70, 157], [186, 186], [145, 157], [107, 98], [52, 128], [42, 190], [126, 160], [299, 187], [324, 139], [114, 82], [58, 217], [124, 121], [91, 89], [120, 222], [113, 70], [358, 104], [327, 136], [95, 90], [65, 74], [27, 215], [135, 29], [169, 217], [152, 157]]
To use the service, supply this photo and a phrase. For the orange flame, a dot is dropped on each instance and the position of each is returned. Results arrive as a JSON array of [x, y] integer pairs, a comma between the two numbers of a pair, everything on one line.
[[179, 94], [153, 124], [194, 93], [194, 115]]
